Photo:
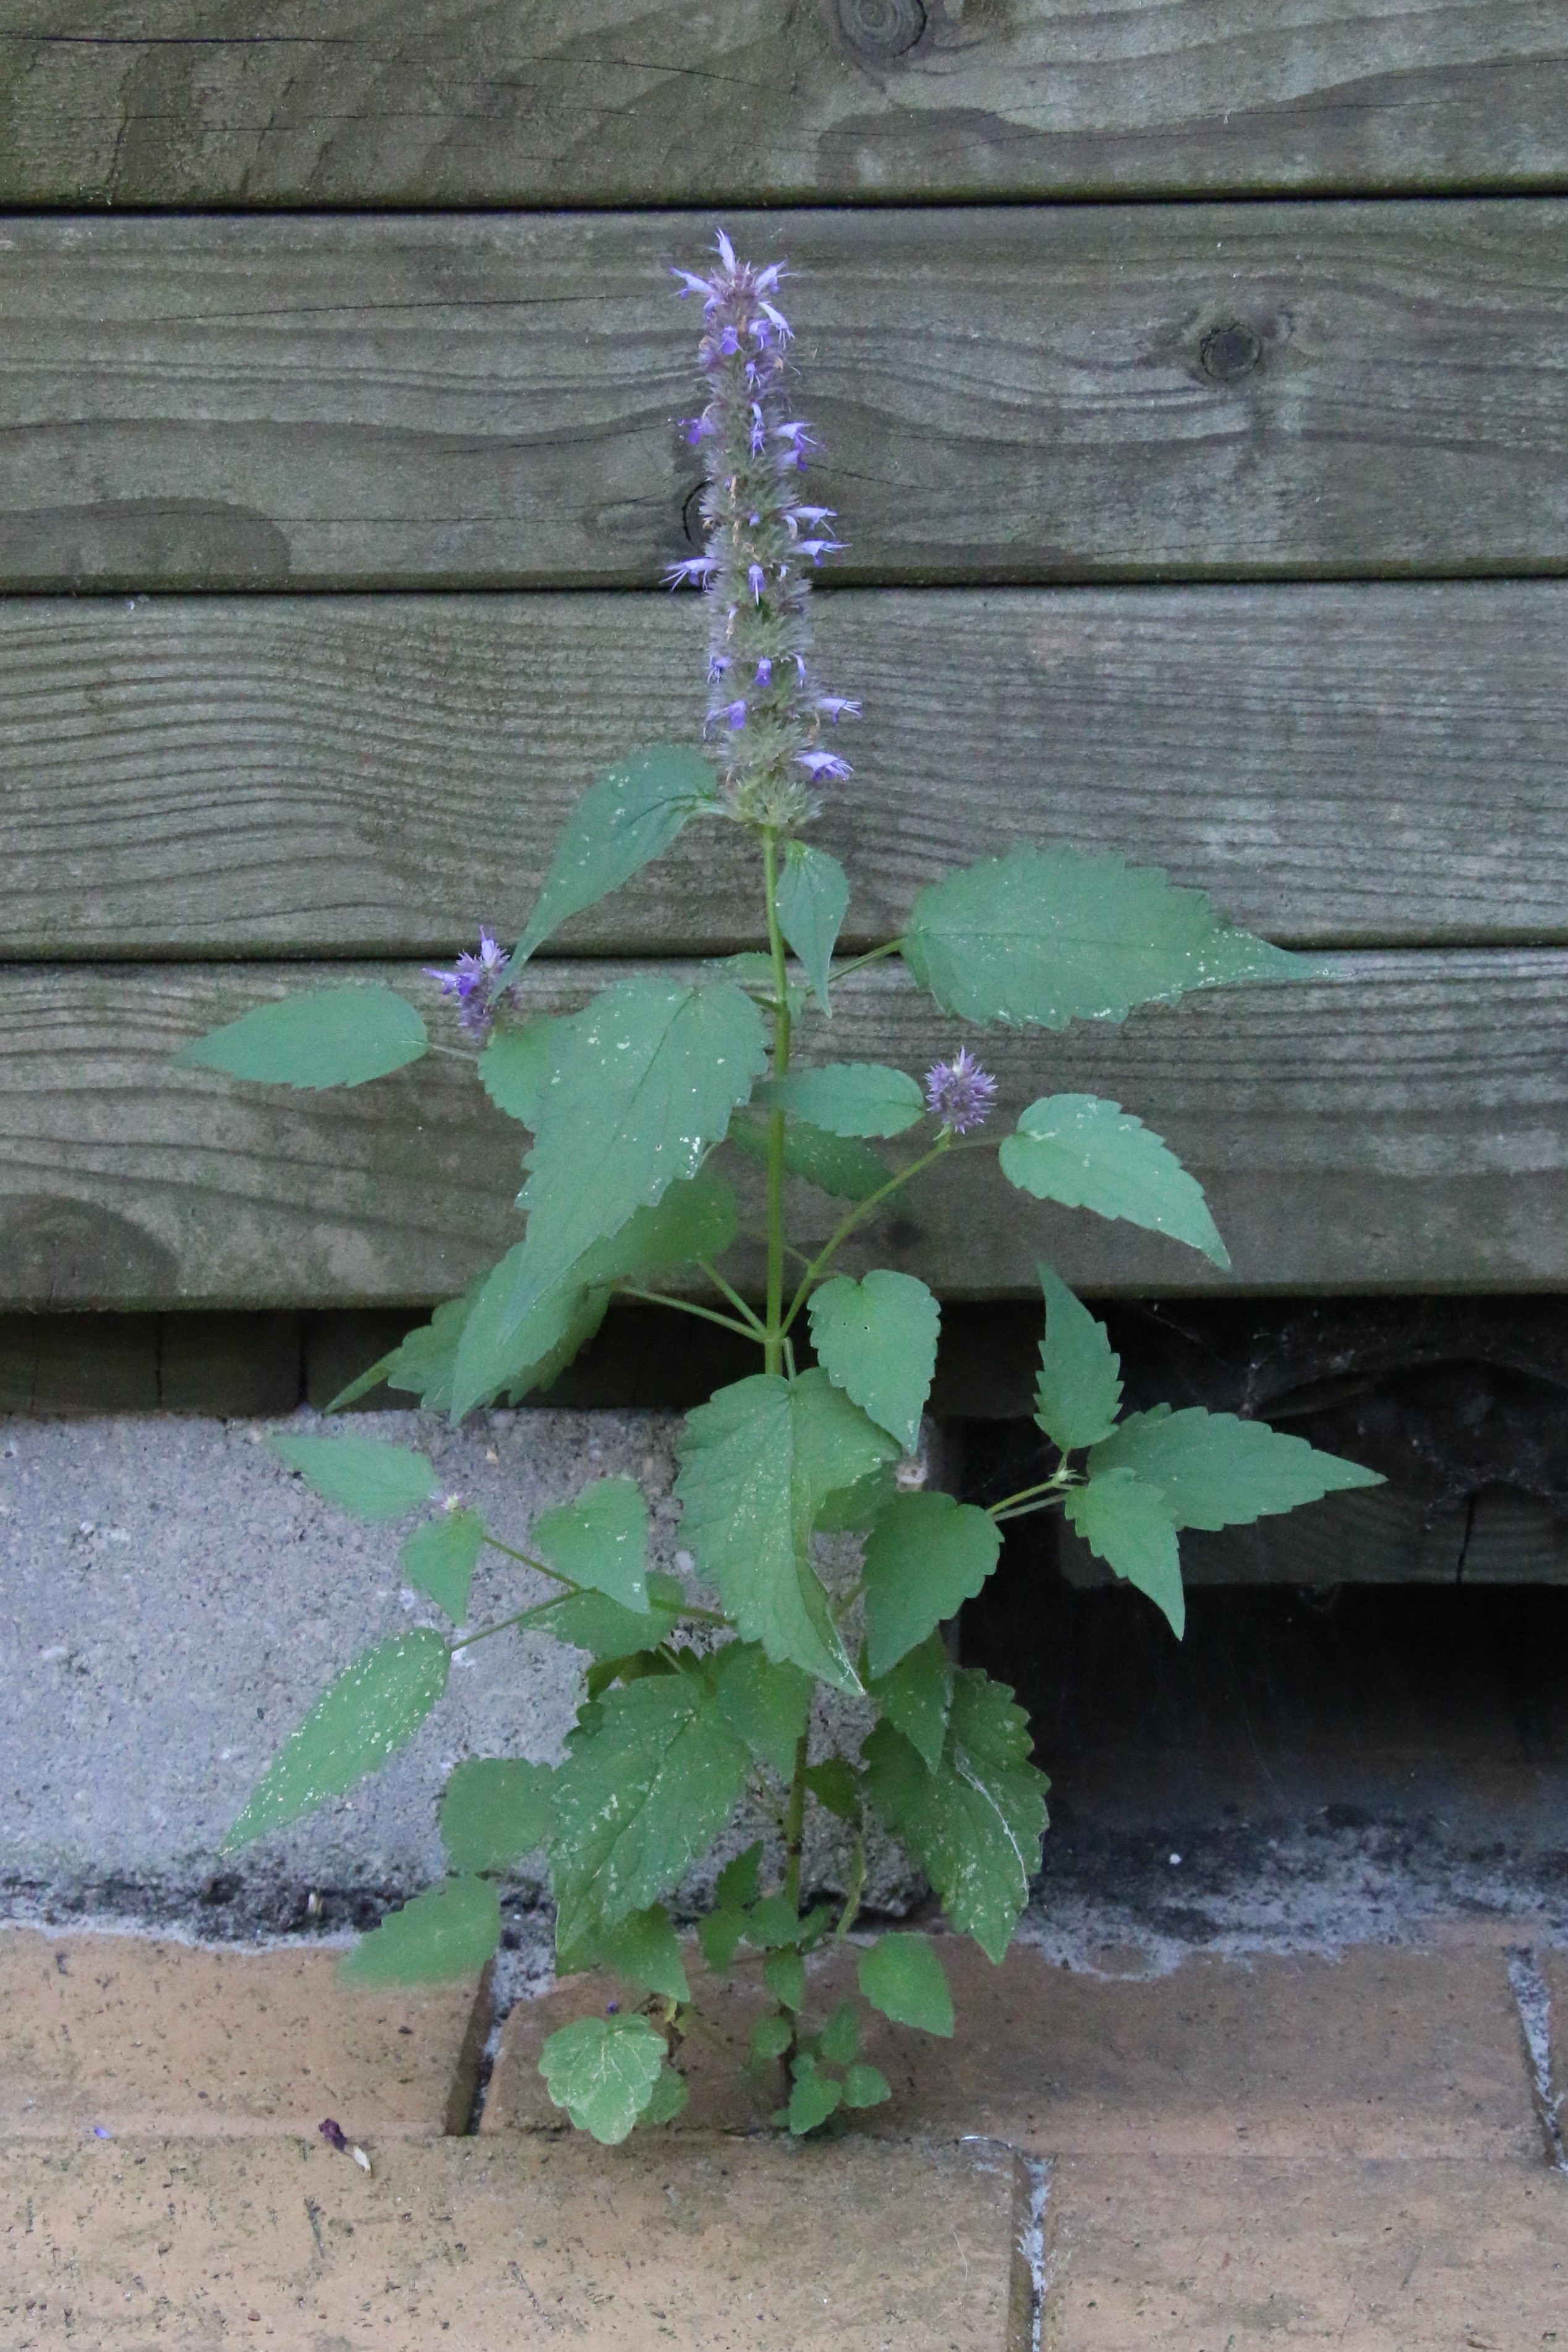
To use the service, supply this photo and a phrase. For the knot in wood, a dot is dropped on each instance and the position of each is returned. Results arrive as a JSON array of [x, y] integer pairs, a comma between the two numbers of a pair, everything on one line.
[[1229, 350], [879, 29]]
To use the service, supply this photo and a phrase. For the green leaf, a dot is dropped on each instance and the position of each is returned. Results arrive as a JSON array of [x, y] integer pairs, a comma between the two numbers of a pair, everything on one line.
[[600, 1539], [648, 1077], [638, 1798], [1089, 1153], [866, 2087], [450, 1930], [627, 817], [373, 1708], [721, 1935], [592, 1621], [757, 1463], [812, 898], [766, 1704], [440, 1558], [670, 2092], [1132, 1529], [770, 2037], [813, 2098], [422, 1362], [644, 1948], [775, 1922], [366, 1476], [837, 1785], [517, 1065], [784, 1973], [916, 1695], [1079, 1392], [848, 1097], [839, 2040], [926, 1556], [902, 1977], [494, 1810], [854, 1510], [1058, 936], [754, 973], [876, 1339], [741, 1881], [838, 1164], [976, 1821], [1216, 1471], [325, 1037], [604, 2072]]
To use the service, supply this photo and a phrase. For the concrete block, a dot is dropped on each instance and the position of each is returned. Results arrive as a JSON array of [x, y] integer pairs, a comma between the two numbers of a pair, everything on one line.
[[1554, 1968], [485, 2245], [126, 2034], [1382, 2054], [1238, 2255]]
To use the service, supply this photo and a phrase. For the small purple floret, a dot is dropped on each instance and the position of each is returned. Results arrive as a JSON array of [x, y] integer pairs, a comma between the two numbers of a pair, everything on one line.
[[960, 1093], [479, 982]]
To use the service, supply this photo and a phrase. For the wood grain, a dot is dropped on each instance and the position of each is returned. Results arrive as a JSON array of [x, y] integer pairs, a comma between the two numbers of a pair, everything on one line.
[[610, 101], [1379, 1535], [239, 776], [1005, 394], [1400, 1125]]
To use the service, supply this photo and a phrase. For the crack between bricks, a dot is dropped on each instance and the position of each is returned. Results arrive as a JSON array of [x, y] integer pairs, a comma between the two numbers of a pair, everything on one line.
[[1532, 1998]]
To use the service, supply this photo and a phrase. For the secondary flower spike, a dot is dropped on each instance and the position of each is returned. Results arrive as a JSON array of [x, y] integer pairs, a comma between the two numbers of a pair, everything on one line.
[[960, 1093], [479, 982], [764, 715]]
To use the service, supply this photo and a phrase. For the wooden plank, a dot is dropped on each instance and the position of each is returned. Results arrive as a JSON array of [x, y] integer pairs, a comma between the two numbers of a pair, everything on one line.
[[611, 101], [1400, 1126], [1381, 1536], [241, 776], [1006, 394]]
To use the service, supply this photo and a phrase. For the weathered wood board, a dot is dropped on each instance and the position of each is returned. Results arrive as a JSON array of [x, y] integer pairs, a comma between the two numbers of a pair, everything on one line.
[[371, 775], [1402, 1124], [1006, 394], [594, 102]]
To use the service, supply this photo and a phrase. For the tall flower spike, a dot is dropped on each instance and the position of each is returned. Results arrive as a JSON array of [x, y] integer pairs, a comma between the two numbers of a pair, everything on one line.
[[759, 542]]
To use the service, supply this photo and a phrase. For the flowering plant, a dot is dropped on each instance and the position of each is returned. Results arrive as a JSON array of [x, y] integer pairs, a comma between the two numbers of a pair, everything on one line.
[[687, 1705]]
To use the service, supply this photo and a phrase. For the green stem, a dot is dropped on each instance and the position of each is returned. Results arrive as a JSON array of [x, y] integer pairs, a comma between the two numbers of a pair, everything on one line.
[[858, 1216], [795, 1823], [854, 1891], [753, 1321], [1051, 1485], [773, 1336], [529, 1562], [688, 1307], [1045, 1503], [873, 955]]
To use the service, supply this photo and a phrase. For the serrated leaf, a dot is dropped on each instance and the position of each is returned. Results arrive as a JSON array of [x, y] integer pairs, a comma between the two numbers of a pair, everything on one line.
[[670, 2094], [976, 1821], [644, 1948], [367, 1476], [866, 2087], [876, 1339], [600, 1539], [837, 1785], [423, 1360], [1060, 935], [373, 1708], [839, 2040], [857, 1098], [495, 1810], [322, 1037], [902, 1977], [765, 1704], [628, 816], [813, 2098], [927, 1555], [757, 1462], [721, 1935], [603, 2071], [837, 1164], [917, 1695], [1078, 1395], [440, 1558], [1089, 1153], [1216, 1471], [770, 2037], [592, 1621], [647, 1078], [854, 1510], [741, 1880], [1131, 1527], [812, 900], [639, 1798], [450, 1930], [775, 1922], [784, 1973], [518, 1064], [754, 973]]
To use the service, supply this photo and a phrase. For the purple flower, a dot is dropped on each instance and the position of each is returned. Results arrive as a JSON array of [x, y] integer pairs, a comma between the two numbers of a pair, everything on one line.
[[479, 982], [333, 2132], [818, 765], [960, 1093]]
